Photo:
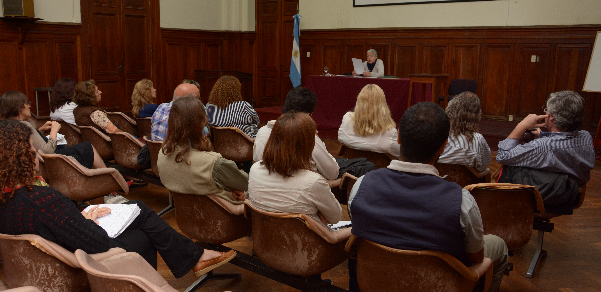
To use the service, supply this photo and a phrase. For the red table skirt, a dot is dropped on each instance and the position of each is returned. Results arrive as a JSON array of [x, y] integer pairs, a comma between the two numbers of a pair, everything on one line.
[[337, 95]]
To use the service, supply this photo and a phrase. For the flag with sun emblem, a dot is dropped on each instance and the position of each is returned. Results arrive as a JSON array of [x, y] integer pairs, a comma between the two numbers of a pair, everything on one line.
[[295, 69]]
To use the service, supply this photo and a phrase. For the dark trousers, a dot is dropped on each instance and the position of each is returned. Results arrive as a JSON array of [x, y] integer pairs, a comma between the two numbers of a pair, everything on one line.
[[149, 233]]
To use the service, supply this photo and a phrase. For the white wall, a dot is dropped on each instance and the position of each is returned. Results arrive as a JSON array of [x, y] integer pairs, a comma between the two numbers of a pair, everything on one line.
[[337, 14], [56, 10], [224, 15]]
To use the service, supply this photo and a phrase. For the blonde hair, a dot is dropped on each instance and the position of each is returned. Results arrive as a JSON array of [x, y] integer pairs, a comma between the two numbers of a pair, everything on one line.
[[226, 90], [141, 96], [464, 112], [372, 115]]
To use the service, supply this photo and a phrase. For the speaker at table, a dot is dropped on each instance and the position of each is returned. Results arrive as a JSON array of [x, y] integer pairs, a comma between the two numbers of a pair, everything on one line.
[[18, 8]]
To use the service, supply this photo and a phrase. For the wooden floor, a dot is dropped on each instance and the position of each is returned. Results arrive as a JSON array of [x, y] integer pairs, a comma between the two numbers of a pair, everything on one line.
[[573, 262]]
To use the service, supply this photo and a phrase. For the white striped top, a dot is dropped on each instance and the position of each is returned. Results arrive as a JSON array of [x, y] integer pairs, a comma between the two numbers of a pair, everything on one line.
[[474, 154], [239, 114]]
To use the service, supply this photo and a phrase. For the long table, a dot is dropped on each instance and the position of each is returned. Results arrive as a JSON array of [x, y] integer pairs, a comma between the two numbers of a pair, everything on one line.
[[337, 95]]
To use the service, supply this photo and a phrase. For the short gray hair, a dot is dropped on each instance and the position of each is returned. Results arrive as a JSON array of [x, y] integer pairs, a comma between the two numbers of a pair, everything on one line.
[[568, 108], [373, 52]]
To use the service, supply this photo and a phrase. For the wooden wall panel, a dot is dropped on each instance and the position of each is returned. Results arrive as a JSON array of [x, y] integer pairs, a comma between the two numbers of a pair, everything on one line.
[[9, 50], [66, 61], [571, 64], [531, 81], [434, 59], [405, 61], [351, 51], [331, 59], [308, 64], [466, 61], [496, 79], [175, 70], [213, 57]]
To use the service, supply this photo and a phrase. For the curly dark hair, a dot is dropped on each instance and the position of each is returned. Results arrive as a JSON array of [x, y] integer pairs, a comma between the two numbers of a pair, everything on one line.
[[17, 159], [84, 93], [62, 93], [226, 90], [464, 112], [300, 99], [424, 128]]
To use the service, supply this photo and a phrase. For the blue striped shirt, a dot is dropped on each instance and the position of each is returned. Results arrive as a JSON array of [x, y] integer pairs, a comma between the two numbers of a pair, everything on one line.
[[239, 114], [570, 153], [460, 151]]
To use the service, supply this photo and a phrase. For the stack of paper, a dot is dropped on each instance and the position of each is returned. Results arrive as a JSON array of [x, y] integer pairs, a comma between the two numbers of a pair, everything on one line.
[[121, 216]]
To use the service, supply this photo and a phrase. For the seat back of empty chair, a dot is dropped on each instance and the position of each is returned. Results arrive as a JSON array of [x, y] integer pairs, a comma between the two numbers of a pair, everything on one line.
[[381, 268], [457, 86], [24, 264], [201, 218], [101, 142], [381, 160], [126, 149], [144, 127], [461, 174], [123, 122], [507, 211], [154, 147], [71, 132], [232, 143], [285, 243]]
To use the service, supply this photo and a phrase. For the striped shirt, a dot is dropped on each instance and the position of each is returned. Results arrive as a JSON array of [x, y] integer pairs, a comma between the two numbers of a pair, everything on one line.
[[239, 114], [474, 154], [564, 152]]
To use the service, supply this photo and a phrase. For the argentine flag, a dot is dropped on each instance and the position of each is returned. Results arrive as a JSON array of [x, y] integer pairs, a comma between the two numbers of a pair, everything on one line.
[[295, 69]]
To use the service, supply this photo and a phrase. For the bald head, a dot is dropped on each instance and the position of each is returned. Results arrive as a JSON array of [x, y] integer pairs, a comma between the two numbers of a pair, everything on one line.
[[184, 90]]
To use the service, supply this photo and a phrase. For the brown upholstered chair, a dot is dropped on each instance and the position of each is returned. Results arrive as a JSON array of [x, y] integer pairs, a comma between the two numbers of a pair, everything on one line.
[[42, 168], [542, 223], [232, 143], [126, 149], [381, 160], [508, 210], [462, 175], [38, 121], [381, 268], [71, 132], [78, 183], [124, 122], [154, 147], [210, 219], [296, 243], [347, 183], [144, 127], [122, 272], [101, 142], [30, 260]]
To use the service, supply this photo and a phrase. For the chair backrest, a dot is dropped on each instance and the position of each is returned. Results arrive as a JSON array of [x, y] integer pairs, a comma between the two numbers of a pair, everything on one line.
[[381, 160], [201, 218], [286, 243], [79, 183], [144, 127], [71, 132], [42, 171], [38, 121], [123, 272], [381, 268], [461, 174], [154, 147], [30, 260], [508, 210], [124, 122], [232, 143], [126, 149], [347, 183], [101, 142], [457, 86]]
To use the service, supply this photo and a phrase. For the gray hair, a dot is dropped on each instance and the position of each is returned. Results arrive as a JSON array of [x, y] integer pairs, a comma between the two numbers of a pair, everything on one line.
[[373, 52], [568, 108]]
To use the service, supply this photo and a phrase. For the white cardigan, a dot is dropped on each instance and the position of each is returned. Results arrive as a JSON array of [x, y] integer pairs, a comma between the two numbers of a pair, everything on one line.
[[378, 70]]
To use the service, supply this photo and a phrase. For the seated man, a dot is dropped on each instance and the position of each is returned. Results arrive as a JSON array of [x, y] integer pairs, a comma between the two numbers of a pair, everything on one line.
[[160, 117], [563, 150], [409, 206], [302, 100]]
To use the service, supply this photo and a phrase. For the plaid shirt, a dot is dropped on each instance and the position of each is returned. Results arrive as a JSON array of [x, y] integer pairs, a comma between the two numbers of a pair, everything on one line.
[[160, 118]]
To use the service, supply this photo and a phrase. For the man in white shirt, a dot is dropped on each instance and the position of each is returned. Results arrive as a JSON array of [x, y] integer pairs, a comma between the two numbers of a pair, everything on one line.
[[300, 99]]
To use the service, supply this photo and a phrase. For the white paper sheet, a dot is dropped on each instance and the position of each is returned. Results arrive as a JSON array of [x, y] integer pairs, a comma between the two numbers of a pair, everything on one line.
[[121, 216], [358, 66]]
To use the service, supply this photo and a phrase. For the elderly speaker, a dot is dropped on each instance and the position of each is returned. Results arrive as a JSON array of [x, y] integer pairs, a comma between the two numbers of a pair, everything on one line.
[[18, 8]]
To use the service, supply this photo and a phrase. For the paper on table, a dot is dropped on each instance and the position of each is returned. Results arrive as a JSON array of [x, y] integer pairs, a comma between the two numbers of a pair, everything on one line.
[[358, 65], [121, 216], [340, 225]]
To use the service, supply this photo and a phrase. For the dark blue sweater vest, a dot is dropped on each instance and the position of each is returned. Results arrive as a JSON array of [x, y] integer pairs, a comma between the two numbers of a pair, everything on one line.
[[409, 211]]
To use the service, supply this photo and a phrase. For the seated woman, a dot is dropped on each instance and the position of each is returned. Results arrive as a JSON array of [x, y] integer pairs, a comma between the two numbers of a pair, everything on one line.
[[286, 180], [187, 163], [370, 127], [141, 99], [465, 145], [373, 67], [227, 109], [15, 106], [61, 101], [50, 214], [86, 95]]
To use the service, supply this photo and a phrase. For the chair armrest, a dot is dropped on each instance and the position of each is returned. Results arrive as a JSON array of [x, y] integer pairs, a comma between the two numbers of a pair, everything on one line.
[[111, 252], [229, 207], [22, 289], [350, 243], [484, 268], [75, 128], [331, 236], [126, 117], [345, 178]]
